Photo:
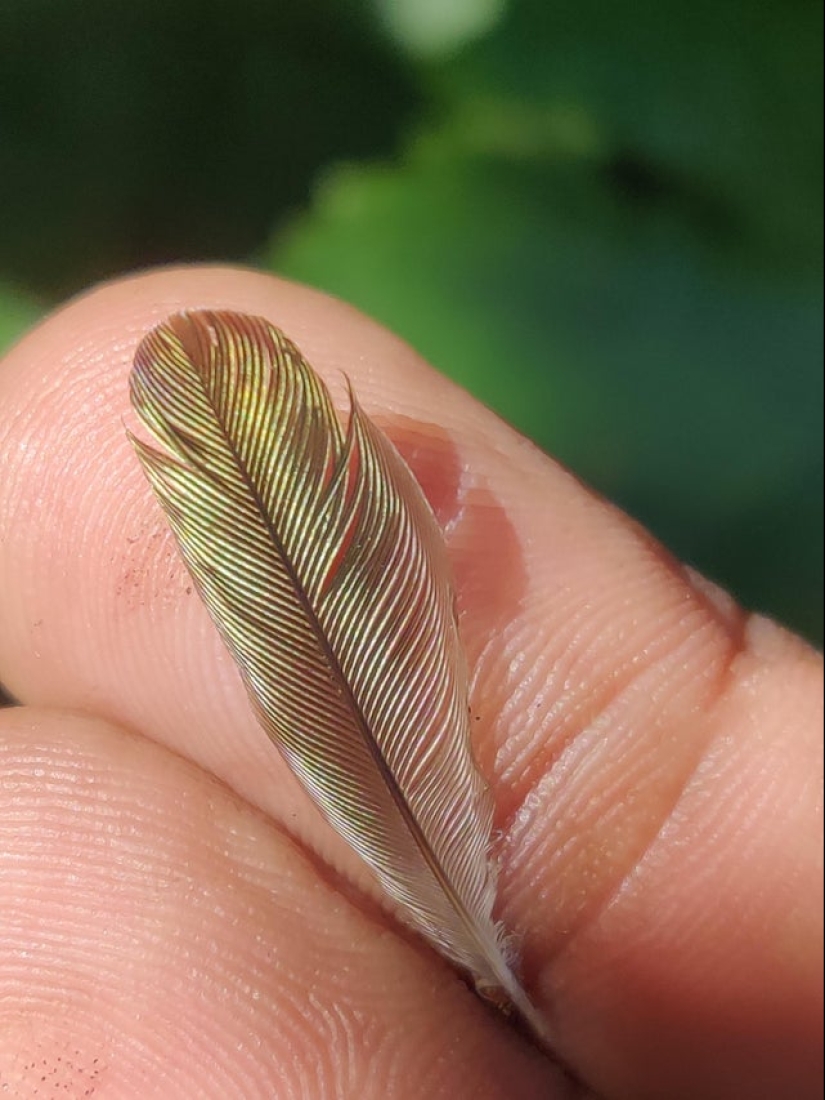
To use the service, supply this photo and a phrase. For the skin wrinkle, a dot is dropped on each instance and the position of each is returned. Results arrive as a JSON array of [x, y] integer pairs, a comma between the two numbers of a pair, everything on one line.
[[598, 905], [536, 801], [530, 765], [716, 679]]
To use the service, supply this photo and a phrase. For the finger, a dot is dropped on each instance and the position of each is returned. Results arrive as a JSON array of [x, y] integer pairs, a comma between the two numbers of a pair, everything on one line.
[[154, 928], [617, 702]]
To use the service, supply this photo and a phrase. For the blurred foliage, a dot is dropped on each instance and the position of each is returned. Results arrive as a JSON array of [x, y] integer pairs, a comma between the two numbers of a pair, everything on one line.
[[615, 340], [603, 219], [17, 313], [134, 133]]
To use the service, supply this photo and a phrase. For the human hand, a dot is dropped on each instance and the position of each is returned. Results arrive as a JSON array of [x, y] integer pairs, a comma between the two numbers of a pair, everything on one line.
[[655, 757]]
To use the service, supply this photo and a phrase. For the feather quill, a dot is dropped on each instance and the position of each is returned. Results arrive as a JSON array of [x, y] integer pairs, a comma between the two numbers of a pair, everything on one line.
[[324, 570]]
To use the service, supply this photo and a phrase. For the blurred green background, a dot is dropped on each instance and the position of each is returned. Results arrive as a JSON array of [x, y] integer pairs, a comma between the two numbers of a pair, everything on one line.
[[604, 219]]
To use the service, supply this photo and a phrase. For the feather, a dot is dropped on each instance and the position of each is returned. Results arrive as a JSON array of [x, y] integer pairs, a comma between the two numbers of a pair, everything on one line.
[[324, 570]]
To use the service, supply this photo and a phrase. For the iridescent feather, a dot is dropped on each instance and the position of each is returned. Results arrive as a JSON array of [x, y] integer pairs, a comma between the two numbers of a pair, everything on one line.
[[325, 571]]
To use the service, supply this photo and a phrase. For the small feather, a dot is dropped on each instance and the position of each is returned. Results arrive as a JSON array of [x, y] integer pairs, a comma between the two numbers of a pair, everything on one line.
[[324, 569]]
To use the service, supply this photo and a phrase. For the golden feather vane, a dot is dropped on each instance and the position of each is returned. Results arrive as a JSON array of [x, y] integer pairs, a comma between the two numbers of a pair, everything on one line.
[[323, 567]]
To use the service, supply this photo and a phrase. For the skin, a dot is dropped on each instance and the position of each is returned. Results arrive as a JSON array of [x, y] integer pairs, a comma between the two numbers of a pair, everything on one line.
[[176, 919]]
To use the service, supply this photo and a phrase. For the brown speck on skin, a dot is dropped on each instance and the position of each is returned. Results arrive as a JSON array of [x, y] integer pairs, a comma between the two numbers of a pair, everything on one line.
[[67, 1074]]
